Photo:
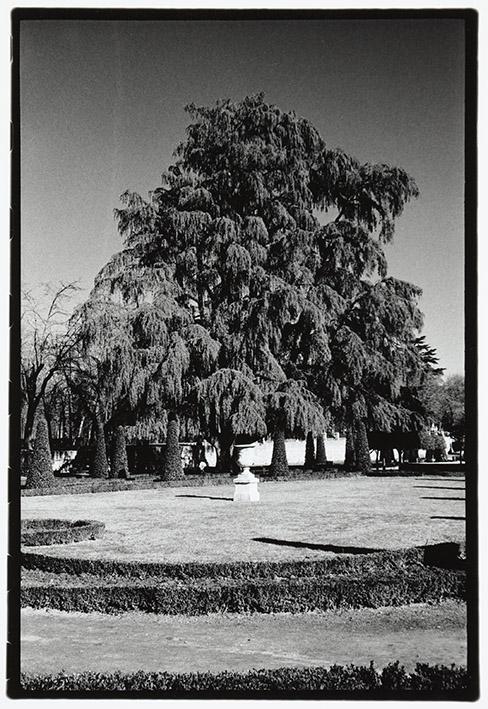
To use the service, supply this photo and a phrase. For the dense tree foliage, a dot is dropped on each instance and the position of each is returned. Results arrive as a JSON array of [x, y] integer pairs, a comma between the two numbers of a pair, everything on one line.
[[443, 400], [252, 292]]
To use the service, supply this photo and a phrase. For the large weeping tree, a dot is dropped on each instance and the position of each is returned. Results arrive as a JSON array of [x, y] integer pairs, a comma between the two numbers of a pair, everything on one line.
[[228, 280]]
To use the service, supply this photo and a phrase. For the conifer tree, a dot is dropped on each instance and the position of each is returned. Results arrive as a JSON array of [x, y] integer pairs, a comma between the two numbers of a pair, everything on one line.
[[279, 461], [40, 469], [119, 467], [309, 452], [99, 465], [172, 468], [321, 456]]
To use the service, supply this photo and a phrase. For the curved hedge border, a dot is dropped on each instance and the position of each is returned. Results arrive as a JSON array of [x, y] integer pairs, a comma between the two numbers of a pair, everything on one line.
[[291, 595], [79, 487], [386, 561], [40, 532], [392, 680]]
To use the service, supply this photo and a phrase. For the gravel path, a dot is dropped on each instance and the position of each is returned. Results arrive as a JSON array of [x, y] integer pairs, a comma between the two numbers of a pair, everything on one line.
[[53, 640]]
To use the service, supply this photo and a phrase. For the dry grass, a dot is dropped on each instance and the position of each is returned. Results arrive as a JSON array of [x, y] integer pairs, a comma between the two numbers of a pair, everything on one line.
[[134, 641], [203, 524]]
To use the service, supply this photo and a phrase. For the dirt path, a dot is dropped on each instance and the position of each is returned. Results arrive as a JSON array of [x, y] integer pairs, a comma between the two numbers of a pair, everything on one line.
[[54, 640]]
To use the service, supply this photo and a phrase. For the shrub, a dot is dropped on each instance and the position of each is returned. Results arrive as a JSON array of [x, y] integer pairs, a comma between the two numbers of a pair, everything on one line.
[[309, 452], [42, 532], [119, 466], [99, 466], [172, 466], [40, 468], [389, 562], [279, 462], [291, 595], [321, 456], [452, 681]]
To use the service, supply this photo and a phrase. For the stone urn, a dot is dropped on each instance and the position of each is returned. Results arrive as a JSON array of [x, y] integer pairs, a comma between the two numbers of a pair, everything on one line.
[[246, 483]]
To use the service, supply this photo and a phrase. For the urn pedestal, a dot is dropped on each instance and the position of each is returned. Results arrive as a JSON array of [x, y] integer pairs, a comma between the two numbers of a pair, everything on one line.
[[246, 483]]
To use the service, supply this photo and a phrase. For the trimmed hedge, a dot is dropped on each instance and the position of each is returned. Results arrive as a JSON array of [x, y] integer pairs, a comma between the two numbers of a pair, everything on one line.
[[40, 532], [290, 595], [386, 561], [393, 679], [80, 487]]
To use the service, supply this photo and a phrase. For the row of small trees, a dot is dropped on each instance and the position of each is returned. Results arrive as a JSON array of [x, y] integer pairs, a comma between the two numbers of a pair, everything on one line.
[[40, 469]]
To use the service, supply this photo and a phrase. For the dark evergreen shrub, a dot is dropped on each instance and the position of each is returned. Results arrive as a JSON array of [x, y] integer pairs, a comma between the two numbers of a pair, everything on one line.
[[99, 466], [309, 452], [119, 467], [279, 462], [40, 467], [172, 465], [321, 455], [439, 448]]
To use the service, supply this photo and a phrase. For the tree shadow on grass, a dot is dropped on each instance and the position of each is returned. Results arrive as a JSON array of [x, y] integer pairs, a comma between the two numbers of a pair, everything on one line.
[[461, 499], [440, 479], [320, 547], [439, 487], [208, 497], [439, 517]]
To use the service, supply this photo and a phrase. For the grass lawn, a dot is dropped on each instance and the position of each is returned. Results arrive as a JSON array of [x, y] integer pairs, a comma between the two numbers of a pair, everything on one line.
[[300, 519], [73, 642]]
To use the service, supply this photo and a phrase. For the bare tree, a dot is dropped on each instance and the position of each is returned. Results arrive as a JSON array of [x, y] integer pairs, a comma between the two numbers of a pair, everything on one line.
[[48, 338]]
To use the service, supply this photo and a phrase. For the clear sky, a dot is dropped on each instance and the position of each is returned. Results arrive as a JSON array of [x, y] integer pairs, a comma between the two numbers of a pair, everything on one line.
[[102, 109]]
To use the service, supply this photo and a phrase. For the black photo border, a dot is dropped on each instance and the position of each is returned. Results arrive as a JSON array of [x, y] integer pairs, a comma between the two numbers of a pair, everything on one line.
[[470, 17]]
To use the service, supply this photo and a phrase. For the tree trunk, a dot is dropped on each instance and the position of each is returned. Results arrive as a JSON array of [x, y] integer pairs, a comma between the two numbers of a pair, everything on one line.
[[361, 445], [223, 447], [30, 418], [350, 456], [279, 462], [309, 452]]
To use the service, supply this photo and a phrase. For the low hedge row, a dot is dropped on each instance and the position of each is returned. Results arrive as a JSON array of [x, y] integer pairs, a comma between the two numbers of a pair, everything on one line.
[[58, 531], [393, 679], [65, 487], [255, 596], [385, 561]]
